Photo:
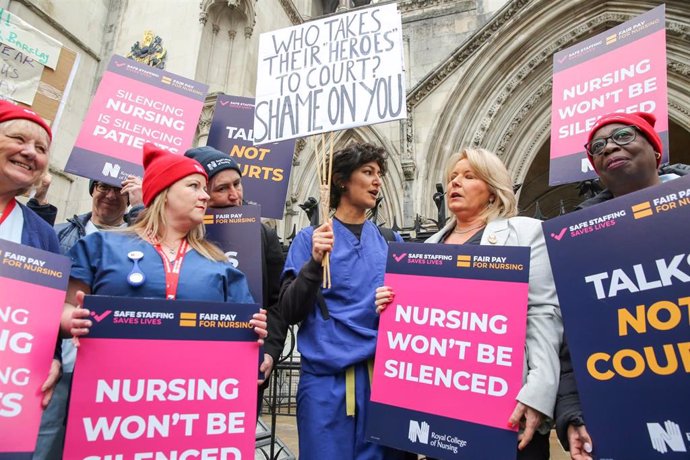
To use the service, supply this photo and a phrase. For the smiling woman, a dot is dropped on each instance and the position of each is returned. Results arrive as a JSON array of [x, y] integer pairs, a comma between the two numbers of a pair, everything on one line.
[[24, 145]]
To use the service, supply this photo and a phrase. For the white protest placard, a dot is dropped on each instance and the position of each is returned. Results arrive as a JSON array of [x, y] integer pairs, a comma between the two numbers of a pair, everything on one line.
[[23, 37], [19, 75], [339, 72]]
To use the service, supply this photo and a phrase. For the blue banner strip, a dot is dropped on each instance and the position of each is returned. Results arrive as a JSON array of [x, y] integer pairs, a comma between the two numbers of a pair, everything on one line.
[[436, 436], [136, 318]]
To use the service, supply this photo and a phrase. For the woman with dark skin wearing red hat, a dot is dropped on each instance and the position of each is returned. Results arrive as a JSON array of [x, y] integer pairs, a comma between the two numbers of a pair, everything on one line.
[[167, 239], [24, 146], [625, 151]]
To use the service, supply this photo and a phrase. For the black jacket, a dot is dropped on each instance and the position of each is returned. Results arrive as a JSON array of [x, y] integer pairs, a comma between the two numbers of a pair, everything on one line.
[[272, 261], [47, 212]]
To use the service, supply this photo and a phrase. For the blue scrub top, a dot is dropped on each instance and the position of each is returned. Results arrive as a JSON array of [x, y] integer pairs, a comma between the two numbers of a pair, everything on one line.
[[357, 269], [100, 260]]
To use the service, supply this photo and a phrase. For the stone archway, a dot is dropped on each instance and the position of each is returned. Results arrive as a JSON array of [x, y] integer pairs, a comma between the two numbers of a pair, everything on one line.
[[501, 99]]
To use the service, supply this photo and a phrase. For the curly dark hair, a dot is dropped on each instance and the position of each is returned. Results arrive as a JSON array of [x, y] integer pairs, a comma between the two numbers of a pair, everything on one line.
[[347, 160]]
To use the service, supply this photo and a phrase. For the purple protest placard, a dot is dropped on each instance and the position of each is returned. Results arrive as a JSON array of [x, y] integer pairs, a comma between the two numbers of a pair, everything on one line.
[[32, 295], [164, 379], [135, 104], [620, 70], [622, 272], [265, 169], [237, 231], [453, 337]]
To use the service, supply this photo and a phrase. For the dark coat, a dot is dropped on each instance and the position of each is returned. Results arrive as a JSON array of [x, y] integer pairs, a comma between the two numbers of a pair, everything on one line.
[[68, 233], [47, 212], [272, 261], [37, 233]]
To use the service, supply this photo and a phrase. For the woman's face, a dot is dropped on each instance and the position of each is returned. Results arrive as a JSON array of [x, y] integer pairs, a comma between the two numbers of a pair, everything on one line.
[[186, 202], [23, 154], [363, 187], [632, 165], [468, 195]]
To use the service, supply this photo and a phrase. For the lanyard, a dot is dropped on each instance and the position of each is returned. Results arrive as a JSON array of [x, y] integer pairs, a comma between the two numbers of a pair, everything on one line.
[[172, 269], [8, 210]]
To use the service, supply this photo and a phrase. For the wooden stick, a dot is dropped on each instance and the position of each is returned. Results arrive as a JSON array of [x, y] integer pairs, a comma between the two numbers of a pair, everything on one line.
[[330, 162], [323, 163], [321, 167], [330, 184], [315, 143]]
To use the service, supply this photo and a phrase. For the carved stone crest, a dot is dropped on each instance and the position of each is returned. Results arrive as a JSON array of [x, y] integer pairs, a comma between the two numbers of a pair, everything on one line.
[[149, 51]]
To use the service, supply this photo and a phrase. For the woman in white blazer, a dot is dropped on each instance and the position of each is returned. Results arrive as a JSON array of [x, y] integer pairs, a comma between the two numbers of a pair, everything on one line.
[[480, 196]]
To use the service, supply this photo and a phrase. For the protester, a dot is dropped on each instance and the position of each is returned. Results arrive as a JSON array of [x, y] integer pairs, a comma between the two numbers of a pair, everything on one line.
[[225, 190], [480, 195], [108, 206], [337, 335], [625, 151], [167, 240], [624, 161], [108, 210], [24, 150]]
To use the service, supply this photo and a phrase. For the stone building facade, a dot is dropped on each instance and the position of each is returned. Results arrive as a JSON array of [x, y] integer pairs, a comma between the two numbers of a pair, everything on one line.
[[478, 73]]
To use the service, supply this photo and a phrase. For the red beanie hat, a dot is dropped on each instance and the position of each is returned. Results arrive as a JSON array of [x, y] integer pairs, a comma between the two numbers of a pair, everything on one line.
[[163, 168], [641, 120], [10, 111]]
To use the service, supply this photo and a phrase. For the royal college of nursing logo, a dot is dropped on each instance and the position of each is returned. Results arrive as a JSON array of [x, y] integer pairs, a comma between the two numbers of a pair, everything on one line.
[[418, 432], [667, 437]]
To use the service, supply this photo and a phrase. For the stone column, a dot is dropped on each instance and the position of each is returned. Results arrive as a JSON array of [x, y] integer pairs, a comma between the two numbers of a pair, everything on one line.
[[228, 61], [215, 29]]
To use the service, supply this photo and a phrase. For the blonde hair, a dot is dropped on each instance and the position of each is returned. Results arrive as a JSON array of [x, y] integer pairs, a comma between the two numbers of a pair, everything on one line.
[[489, 168], [152, 221]]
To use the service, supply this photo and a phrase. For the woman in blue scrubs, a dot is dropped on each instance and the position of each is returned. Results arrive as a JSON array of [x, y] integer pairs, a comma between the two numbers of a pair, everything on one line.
[[163, 255], [337, 335]]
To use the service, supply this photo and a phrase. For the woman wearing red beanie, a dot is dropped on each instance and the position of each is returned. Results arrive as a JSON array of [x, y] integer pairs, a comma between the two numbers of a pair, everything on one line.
[[626, 152], [24, 145], [163, 255]]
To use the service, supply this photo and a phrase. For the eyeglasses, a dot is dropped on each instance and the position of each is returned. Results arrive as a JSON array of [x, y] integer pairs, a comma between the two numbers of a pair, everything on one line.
[[105, 188], [621, 136]]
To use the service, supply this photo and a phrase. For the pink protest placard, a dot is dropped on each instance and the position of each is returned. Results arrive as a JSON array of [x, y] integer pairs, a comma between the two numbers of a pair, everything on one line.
[[620, 70], [135, 104], [176, 379], [32, 294], [454, 338], [429, 347]]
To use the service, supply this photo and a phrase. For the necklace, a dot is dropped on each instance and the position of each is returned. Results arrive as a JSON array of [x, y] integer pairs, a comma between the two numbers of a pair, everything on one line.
[[462, 232], [170, 249]]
